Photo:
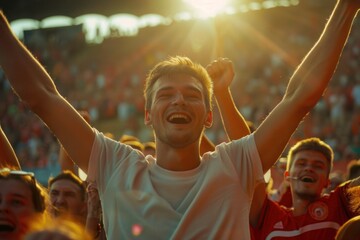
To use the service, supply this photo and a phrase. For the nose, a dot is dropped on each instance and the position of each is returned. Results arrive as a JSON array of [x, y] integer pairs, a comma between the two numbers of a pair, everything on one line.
[[308, 167], [3, 206], [59, 199], [179, 99]]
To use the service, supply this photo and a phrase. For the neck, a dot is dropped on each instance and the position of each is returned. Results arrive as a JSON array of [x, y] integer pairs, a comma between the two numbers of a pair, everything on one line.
[[178, 158], [301, 204]]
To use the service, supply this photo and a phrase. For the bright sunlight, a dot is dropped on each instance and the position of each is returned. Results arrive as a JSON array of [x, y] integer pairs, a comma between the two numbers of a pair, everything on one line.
[[208, 8]]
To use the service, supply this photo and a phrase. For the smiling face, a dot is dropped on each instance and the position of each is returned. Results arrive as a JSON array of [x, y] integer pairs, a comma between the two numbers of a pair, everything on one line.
[[174, 66], [178, 112], [309, 174], [17, 209]]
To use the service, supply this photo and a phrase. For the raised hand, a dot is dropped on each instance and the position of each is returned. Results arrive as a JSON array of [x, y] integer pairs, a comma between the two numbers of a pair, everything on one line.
[[222, 73]]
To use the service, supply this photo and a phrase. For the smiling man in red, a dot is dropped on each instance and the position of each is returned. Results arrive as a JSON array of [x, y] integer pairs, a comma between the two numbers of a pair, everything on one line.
[[313, 215]]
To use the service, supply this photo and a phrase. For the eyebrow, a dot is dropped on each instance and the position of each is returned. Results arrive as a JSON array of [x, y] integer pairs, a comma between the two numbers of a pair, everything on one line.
[[312, 160], [19, 195], [64, 191], [191, 88], [320, 161]]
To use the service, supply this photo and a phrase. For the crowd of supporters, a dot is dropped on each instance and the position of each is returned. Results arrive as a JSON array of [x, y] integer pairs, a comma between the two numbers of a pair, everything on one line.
[[184, 181], [107, 81]]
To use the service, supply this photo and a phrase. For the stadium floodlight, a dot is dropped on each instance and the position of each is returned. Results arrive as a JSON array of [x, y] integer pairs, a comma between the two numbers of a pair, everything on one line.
[[208, 8], [20, 25], [56, 21]]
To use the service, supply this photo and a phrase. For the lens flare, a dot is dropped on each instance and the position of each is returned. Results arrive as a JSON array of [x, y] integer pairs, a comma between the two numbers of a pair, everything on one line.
[[208, 8], [136, 230]]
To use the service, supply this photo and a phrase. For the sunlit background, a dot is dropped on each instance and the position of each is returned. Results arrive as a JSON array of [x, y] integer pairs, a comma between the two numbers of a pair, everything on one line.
[[99, 52], [98, 27]]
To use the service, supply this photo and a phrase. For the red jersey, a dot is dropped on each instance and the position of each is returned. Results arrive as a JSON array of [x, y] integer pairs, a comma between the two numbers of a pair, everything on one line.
[[286, 198], [321, 221]]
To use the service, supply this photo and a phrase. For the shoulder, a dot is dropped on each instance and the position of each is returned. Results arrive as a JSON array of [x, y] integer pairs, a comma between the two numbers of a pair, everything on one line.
[[273, 214], [244, 143]]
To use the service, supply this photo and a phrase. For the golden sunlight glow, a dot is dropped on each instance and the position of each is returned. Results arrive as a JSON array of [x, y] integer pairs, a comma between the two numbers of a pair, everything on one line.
[[208, 8], [98, 27]]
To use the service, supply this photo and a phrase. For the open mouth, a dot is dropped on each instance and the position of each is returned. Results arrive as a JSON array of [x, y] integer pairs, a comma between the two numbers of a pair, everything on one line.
[[307, 179], [6, 227], [178, 118]]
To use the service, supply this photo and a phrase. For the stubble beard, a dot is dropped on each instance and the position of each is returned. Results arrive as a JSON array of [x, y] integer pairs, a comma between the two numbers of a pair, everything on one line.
[[307, 196], [177, 141]]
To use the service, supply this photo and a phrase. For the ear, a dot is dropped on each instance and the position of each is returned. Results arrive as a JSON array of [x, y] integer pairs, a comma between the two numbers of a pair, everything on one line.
[[147, 118], [209, 120]]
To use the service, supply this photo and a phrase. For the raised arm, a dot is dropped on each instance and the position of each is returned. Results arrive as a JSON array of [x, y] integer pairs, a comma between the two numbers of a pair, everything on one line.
[[35, 87], [7, 154], [222, 70], [222, 73], [66, 163], [305, 88], [306, 85]]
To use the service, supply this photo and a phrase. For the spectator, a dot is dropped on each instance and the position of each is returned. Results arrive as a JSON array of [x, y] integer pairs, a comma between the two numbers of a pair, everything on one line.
[[93, 218], [68, 196], [313, 215], [23, 201], [59, 229], [177, 189], [353, 169]]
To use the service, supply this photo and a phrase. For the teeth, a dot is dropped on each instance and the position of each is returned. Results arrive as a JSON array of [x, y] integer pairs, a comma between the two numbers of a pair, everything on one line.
[[179, 117]]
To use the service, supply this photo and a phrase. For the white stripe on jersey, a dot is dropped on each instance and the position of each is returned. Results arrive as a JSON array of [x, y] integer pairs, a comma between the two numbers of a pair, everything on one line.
[[304, 229]]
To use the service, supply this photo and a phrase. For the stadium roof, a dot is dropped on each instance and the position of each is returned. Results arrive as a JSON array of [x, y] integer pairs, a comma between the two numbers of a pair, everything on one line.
[[40, 9]]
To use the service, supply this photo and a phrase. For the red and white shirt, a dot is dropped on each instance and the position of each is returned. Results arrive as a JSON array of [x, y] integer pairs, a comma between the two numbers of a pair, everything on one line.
[[321, 221]]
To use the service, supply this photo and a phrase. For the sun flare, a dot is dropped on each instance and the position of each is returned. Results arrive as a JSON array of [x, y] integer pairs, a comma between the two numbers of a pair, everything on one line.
[[208, 8]]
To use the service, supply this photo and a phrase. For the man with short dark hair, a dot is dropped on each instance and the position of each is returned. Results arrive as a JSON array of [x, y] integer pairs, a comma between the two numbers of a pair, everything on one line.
[[313, 215], [68, 196]]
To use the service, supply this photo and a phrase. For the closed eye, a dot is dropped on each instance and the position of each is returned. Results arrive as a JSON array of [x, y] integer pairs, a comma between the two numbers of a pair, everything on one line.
[[319, 166], [18, 202], [54, 193]]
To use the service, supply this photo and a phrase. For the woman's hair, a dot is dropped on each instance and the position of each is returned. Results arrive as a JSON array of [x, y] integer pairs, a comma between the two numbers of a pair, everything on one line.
[[39, 194]]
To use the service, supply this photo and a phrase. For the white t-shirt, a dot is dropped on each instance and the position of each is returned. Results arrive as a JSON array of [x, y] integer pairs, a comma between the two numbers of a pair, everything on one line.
[[144, 201]]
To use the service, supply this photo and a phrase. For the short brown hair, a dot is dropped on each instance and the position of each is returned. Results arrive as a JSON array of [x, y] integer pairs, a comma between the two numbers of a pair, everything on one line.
[[313, 144], [178, 65], [68, 175]]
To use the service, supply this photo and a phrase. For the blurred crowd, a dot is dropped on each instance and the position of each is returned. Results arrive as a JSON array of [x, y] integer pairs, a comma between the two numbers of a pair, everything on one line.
[[107, 81]]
